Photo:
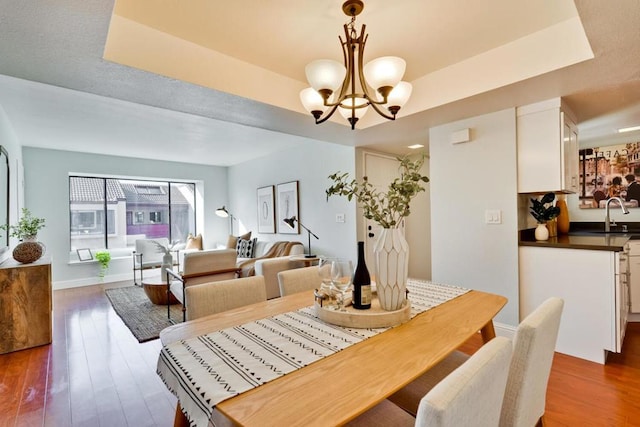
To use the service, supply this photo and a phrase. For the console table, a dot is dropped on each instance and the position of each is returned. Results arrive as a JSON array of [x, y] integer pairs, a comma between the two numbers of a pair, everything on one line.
[[25, 304]]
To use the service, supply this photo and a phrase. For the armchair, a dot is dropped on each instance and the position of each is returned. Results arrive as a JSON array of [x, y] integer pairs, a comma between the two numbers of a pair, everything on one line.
[[147, 255], [201, 267]]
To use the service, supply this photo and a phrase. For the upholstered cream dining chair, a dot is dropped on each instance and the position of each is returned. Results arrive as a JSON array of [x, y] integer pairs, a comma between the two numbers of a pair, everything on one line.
[[223, 295], [533, 348], [471, 395], [298, 280], [201, 267]]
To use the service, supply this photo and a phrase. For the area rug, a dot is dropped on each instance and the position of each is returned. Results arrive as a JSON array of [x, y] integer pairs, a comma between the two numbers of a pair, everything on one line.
[[144, 319]]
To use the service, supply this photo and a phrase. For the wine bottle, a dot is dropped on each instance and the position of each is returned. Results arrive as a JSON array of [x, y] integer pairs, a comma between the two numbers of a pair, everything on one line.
[[361, 282]]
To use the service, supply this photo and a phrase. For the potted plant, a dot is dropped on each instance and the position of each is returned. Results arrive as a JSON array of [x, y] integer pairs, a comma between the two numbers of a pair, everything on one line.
[[27, 228], [29, 249], [387, 209], [544, 211], [103, 258]]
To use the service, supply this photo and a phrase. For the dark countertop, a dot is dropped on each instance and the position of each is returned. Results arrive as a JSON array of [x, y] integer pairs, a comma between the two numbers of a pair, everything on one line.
[[585, 235]]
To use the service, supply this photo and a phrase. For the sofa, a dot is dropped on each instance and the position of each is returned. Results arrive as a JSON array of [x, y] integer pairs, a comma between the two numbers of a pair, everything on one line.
[[269, 269], [279, 252], [266, 250]]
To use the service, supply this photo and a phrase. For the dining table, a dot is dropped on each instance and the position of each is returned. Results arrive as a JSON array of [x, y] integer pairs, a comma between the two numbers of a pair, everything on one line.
[[337, 388]]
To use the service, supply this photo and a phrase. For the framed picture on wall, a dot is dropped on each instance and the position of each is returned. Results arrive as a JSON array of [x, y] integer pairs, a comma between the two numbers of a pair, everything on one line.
[[287, 199], [266, 212]]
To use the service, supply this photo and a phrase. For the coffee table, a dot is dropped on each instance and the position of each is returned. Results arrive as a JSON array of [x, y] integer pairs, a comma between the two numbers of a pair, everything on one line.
[[156, 290]]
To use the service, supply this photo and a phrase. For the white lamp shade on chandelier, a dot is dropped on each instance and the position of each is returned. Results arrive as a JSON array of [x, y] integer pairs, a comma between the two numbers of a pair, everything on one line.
[[352, 88], [325, 74], [384, 71], [359, 106], [312, 100], [400, 94]]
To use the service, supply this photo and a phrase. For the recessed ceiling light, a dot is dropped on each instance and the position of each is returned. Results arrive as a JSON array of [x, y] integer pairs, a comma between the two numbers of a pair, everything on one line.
[[629, 129], [415, 146]]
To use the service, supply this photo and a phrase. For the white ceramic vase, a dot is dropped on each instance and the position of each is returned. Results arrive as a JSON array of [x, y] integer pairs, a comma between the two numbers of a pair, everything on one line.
[[391, 253], [167, 262], [542, 232]]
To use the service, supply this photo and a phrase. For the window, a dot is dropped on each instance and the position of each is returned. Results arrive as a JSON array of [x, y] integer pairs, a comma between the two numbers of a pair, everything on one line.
[[139, 218], [83, 220], [149, 189], [155, 217], [113, 213]]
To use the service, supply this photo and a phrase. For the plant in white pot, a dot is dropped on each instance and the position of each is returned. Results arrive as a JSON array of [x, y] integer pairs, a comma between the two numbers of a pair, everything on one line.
[[167, 258], [387, 209], [543, 211], [103, 258], [29, 250]]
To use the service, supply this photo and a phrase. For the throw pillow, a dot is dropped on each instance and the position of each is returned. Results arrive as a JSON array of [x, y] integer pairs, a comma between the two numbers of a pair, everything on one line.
[[194, 242], [232, 243], [245, 248]]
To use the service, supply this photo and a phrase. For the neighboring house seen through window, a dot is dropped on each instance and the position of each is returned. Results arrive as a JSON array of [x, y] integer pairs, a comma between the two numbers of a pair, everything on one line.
[[134, 210]]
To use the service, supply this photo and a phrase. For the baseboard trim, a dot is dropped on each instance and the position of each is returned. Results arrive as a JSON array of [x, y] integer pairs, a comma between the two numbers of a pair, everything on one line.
[[633, 317], [87, 281], [504, 330]]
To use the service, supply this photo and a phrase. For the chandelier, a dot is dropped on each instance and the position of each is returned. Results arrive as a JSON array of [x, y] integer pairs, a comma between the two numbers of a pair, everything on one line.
[[352, 88]]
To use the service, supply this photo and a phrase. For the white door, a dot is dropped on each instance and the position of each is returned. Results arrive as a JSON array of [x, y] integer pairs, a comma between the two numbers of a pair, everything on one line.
[[380, 170]]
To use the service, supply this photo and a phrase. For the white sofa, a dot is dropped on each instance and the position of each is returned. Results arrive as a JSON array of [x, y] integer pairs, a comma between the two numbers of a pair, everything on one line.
[[270, 267], [263, 247], [279, 252], [268, 250]]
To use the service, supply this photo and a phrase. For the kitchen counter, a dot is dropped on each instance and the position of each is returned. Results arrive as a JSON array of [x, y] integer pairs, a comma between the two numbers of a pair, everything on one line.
[[584, 235]]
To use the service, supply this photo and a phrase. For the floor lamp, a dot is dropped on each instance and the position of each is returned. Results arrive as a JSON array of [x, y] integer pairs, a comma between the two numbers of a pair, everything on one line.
[[291, 221], [224, 213]]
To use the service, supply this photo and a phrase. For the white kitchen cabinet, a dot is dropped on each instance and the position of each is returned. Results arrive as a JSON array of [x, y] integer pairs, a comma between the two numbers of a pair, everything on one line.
[[595, 310], [547, 141], [634, 280]]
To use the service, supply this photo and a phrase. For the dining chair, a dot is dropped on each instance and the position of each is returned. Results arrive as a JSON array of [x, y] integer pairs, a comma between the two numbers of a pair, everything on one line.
[[471, 395], [200, 267], [223, 295], [533, 349], [298, 280]]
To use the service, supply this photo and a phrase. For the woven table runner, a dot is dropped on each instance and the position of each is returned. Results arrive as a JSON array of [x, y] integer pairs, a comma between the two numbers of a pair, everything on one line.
[[206, 370]]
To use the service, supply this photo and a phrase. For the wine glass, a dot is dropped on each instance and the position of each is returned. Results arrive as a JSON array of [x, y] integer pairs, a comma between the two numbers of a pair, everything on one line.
[[341, 273], [324, 270]]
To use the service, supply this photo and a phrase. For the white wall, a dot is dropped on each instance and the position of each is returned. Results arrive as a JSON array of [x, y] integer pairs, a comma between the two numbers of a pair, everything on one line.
[[10, 142], [466, 180], [418, 231], [310, 164], [46, 180]]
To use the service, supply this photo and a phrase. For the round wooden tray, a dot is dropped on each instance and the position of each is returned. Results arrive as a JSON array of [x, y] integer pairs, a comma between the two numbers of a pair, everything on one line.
[[375, 317]]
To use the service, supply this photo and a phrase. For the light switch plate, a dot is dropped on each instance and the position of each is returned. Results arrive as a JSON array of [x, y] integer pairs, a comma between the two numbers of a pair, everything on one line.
[[493, 216], [340, 217]]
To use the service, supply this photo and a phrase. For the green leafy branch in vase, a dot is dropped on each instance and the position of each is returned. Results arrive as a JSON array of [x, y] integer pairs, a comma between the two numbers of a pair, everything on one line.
[[385, 208]]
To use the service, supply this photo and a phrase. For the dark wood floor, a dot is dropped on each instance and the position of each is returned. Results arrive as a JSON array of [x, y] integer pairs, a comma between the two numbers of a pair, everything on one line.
[[95, 373]]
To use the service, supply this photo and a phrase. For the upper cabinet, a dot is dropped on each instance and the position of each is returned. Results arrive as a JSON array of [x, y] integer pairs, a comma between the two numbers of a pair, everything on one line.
[[547, 148]]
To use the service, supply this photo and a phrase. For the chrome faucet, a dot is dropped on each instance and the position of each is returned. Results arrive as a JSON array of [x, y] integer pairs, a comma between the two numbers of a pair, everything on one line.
[[607, 220]]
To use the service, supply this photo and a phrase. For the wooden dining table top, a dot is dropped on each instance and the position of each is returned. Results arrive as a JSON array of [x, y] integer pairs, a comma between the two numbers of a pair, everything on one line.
[[338, 388]]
